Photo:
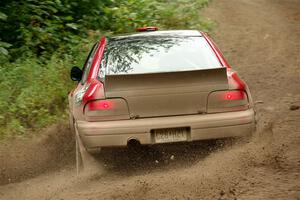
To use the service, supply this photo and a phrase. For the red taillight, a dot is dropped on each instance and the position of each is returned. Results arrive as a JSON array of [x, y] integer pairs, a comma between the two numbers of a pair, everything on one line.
[[106, 109], [234, 95], [226, 101], [100, 105], [228, 96]]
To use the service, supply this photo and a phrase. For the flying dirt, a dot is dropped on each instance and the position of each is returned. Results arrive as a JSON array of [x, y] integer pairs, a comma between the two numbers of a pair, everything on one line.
[[261, 40]]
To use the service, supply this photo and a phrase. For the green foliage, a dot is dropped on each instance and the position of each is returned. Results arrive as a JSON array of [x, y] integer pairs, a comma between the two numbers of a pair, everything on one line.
[[131, 14], [33, 96], [38, 26], [43, 26], [41, 39], [184, 14], [3, 45]]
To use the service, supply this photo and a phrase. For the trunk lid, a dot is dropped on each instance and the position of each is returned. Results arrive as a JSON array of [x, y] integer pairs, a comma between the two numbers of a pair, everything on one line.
[[166, 94]]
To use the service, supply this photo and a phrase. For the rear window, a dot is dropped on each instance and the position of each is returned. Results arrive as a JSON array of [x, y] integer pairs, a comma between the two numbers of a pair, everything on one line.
[[158, 54]]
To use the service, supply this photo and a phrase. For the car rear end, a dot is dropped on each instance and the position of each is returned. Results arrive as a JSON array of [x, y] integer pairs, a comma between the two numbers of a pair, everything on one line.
[[164, 87]]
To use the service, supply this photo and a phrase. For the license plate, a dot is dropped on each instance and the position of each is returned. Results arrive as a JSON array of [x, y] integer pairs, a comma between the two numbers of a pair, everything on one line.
[[170, 135]]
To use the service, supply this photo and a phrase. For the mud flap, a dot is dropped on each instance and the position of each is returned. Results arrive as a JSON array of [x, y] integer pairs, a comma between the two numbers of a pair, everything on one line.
[[84, 160]]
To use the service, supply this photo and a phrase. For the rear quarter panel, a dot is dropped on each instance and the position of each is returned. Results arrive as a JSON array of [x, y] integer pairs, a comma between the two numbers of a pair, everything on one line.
[[76, 110]]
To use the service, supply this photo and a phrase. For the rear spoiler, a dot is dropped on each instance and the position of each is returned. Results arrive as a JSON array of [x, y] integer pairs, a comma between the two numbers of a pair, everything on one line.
[[209, 79]]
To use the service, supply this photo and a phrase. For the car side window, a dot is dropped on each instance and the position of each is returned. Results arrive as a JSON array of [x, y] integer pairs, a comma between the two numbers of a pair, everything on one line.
[[88, 63]]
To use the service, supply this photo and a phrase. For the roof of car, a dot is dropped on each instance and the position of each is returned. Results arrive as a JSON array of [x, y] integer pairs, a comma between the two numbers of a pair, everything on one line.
[[176, 33]]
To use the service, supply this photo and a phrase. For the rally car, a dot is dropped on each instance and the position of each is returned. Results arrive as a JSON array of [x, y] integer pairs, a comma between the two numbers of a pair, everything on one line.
[[155, 87]]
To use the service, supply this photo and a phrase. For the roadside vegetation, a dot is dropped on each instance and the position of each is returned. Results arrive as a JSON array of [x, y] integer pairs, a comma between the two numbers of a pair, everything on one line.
[[41, 40]]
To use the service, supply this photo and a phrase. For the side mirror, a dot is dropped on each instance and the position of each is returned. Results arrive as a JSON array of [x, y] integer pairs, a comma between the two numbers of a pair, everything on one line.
[[76, 73]]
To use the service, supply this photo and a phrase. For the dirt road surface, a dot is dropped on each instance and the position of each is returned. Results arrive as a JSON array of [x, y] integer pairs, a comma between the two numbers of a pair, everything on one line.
[[261, 39]]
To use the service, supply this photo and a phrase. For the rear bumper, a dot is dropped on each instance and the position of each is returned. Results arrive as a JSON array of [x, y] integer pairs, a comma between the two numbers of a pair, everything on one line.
[[208, 126]]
